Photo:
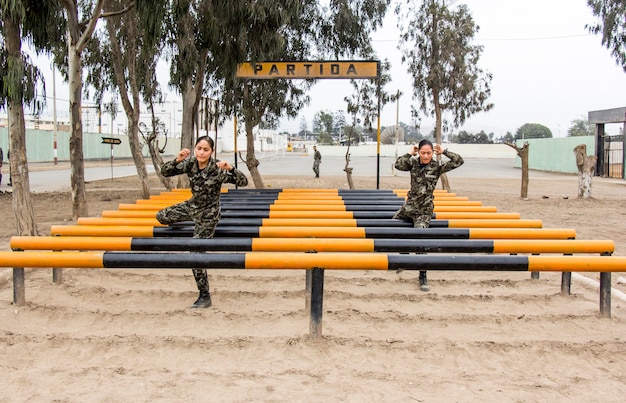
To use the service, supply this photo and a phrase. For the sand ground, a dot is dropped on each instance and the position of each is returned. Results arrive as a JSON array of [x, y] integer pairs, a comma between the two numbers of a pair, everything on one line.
[[128, 335]]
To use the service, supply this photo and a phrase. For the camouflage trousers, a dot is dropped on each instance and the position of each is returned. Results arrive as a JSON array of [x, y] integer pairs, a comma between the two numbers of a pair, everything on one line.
[[204, 227], [420, 219]]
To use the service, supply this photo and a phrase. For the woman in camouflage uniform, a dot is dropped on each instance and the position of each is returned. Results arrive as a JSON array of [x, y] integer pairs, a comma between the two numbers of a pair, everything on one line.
[[206, 176], [425, 172]]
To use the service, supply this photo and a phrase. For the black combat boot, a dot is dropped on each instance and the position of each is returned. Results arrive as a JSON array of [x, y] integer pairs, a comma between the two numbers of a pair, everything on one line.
[[423, 281], [203, 301]]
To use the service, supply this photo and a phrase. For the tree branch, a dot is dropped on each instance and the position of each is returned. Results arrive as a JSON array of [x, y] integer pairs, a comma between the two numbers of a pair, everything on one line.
[[119, 12]]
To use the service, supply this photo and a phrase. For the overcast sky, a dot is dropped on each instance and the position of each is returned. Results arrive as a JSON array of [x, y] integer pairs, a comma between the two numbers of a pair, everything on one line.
[[546, 69]]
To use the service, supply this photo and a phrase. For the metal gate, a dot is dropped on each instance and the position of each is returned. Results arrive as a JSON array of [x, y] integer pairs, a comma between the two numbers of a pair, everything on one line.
[[614, 156]]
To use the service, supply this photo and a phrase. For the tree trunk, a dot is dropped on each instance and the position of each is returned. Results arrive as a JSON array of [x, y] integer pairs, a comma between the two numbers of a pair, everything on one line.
[[157, 161], [523, 154], [77, 177], [135, 150], [251, 162], [22, 203], [347, 169], [187, 127], [438, 127], [128, 89], [586, 166]]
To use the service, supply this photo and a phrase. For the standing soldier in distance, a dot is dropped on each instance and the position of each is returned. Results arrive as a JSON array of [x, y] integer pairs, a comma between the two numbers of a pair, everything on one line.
[[206, 176], [425, 172], [317, 159]]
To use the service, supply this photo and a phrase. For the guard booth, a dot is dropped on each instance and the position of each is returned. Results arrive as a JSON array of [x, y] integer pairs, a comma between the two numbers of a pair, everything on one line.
[[609, 149]]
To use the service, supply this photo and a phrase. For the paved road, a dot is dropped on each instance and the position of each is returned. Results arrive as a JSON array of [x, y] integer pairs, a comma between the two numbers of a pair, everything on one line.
[[46, 177]]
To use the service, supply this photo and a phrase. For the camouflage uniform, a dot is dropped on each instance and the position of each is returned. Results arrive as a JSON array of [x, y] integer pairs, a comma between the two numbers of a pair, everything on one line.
[[317, 159], [419, 203], [204, 205]]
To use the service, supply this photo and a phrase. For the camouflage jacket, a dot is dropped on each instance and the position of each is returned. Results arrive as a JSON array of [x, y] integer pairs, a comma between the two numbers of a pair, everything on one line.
[[424, 177], [206, 184]]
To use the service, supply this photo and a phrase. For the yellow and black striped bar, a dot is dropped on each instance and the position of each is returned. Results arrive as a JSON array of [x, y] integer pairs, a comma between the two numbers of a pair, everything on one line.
[[58, 243], [317, 207], [319, 222], [453, 215], [319, 232], [309, 261]]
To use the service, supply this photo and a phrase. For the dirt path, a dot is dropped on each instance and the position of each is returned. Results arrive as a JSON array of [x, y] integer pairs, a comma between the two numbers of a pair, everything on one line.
[[128, 335]]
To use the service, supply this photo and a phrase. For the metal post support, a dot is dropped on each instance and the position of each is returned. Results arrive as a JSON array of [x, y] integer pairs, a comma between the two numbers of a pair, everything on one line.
[[57, 276], [605, 292], [19, 294], [534, 275], [605, 295], [307, 291], [317, 302], [566, 280], [566, 283]]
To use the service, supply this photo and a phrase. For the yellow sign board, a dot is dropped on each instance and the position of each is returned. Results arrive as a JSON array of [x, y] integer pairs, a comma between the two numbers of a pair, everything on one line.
[[313, 70]]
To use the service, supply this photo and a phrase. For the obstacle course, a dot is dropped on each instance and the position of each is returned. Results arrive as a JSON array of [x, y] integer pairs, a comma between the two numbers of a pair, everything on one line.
[[316, 230]]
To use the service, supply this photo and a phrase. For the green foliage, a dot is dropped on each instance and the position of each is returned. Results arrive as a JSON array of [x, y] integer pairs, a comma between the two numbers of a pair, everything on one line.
[[465, 137], [533, 131], [437, 44], [39, 23], [364, 102], [580, 127], [612, 26]]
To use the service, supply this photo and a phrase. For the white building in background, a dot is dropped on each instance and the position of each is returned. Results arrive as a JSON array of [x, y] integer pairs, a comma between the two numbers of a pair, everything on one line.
[[268, 141]]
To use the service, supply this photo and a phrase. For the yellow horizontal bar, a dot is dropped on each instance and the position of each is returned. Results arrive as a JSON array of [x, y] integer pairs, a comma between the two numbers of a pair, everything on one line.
[[128, 213], [102, 230], [312, 232], [521, 233], [70, 243], [119, 221], [312, 244], [311, 214], [477, 223], [142, 207], [553, 246], [309, 222], [86, 260], [481, 209], [468, 215], [577, 264], [308, 207], [331, 261]]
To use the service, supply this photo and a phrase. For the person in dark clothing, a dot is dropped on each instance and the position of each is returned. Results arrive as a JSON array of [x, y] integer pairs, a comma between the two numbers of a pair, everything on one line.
[[206, 176], [425, 172], [317, 159]]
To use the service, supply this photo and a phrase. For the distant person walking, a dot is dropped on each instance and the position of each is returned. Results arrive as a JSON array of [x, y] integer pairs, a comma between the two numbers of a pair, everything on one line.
[[425, 172], [317, 160]]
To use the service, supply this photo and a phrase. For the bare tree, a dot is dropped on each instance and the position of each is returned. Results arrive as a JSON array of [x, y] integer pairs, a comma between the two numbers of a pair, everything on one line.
[[522, 152], [437, 44], [586, 166], [37, 22]]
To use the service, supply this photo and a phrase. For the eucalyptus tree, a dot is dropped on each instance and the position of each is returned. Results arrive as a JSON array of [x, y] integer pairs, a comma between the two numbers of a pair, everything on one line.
[[122, 58], [612, 26], [21, 83], [436, 43], [266, 30], [81, 19]]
